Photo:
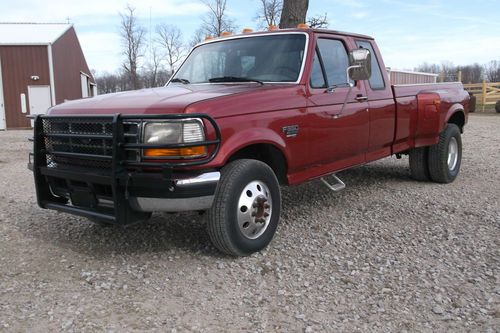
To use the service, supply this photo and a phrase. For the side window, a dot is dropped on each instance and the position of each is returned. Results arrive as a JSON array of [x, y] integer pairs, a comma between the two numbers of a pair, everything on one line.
[[317, 78], [376, 80], [335, 59]]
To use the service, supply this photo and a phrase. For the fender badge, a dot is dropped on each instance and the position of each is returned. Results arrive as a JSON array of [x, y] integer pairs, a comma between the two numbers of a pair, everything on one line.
[[291, 131]]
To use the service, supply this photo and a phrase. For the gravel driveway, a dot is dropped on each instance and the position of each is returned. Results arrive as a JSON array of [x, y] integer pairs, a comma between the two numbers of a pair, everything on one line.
[[385, 254]]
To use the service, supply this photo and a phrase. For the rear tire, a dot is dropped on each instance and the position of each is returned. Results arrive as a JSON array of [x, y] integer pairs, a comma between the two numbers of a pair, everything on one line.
[[419, 163], [472, 103], [246, 208], [445, 157]]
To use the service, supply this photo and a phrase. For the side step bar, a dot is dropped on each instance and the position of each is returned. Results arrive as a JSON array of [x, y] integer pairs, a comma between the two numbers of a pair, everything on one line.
[[339, 186]]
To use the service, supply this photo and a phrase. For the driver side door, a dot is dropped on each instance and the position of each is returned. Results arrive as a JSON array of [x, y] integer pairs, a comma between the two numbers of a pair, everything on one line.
[[338, 135]]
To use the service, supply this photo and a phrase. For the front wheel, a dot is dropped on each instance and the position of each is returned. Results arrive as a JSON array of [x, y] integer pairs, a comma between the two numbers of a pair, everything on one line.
[[445, 157], [246, 208]]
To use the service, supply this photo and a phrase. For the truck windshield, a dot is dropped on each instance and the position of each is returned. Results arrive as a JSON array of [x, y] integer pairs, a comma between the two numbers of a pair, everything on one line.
[[271, 58]]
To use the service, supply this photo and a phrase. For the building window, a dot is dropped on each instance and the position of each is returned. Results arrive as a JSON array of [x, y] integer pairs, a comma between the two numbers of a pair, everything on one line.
[[89, 89]]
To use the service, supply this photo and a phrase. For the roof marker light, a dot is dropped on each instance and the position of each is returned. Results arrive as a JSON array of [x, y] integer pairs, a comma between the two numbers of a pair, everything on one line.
[[225, 34], [247, 30], [302, 26], [208, 38], [273, 27]]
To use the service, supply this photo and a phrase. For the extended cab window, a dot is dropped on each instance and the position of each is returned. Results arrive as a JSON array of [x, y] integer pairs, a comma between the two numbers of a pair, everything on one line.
[[335, 60], [273, 58], [376, 80]]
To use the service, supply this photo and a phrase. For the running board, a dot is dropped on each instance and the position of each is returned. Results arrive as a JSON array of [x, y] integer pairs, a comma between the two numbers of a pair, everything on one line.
[[339, 186]]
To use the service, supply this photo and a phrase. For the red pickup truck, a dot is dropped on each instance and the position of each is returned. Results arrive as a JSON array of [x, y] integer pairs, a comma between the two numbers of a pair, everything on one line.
[[243, 115]]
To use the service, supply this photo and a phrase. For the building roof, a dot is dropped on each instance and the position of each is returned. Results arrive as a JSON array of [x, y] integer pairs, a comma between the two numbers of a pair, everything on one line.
[[31, 33]]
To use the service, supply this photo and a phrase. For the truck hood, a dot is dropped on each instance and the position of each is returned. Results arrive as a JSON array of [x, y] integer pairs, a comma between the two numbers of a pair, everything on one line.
[[164, 100]]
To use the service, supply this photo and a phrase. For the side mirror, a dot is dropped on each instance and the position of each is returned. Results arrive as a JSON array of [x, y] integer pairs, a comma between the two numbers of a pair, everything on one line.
[[360, 64]]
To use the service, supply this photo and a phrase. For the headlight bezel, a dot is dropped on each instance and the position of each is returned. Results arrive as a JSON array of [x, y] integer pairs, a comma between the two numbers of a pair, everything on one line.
[[180, 149]]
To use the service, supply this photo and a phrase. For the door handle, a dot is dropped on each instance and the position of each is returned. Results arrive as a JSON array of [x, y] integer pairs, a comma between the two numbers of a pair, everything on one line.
[[360, 98]]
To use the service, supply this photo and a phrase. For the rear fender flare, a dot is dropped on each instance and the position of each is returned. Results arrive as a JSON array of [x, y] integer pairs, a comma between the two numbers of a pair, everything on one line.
[[454, 109]]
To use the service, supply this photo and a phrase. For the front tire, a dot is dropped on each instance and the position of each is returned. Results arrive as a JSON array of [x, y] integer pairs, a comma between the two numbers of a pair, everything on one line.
[[246, 208], [445, 157]]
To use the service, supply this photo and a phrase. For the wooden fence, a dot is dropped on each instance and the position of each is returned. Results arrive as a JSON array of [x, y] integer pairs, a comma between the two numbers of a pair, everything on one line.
[[486, 93]]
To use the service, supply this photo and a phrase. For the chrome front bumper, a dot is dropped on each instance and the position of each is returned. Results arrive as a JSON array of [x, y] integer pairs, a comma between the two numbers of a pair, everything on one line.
[[173, 204]]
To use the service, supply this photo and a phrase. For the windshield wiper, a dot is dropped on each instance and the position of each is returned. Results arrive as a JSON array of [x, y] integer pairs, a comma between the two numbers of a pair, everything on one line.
[[183, 81], [234, 79]]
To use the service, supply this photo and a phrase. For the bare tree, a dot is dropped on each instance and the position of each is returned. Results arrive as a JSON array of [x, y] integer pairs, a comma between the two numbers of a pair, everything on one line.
[[216, 21], [163, 76], [269, 12], [446, 70], [449, 72], [318, 21], [107, 83], [492, 71], [471, 73], [198, 37], [132, 35], [428, 68], [170, 38], [153, 66], [293, 13]]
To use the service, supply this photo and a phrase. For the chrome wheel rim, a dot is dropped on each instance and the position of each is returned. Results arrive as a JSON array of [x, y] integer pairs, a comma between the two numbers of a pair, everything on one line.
[[452, 153], [255, 207]]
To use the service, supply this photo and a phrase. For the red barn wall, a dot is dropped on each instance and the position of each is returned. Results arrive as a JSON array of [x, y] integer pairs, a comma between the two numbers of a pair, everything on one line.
[[69, 61], [19, 63]]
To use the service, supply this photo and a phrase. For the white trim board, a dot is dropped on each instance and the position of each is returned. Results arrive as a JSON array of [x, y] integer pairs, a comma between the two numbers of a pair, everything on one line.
[[3, 119], [51, 76]]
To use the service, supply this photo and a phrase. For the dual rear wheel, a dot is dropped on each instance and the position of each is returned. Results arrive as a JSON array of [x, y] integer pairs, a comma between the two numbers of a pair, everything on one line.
[[440, 162]]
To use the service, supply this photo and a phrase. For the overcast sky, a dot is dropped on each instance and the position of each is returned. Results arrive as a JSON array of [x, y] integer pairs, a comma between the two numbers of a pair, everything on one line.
[[408, 32]]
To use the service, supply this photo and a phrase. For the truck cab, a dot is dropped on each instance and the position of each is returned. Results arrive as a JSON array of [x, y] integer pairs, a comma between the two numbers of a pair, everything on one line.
[[242, 116]]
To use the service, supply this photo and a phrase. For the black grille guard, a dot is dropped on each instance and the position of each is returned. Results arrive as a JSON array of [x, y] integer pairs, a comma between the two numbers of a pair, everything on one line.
[[121, 166]]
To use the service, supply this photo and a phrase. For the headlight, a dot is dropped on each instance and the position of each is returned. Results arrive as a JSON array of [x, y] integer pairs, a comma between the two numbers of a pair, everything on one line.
[[172, 132], [166, 133]]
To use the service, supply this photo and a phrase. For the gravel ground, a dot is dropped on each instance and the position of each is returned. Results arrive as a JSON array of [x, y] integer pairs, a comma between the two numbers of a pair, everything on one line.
[[385, 254]]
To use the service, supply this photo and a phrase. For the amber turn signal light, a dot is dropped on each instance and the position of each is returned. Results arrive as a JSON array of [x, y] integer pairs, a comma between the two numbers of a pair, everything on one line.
[[188, 152]]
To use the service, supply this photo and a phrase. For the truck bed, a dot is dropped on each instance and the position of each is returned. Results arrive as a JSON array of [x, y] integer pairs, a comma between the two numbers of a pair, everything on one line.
[[421, 111]]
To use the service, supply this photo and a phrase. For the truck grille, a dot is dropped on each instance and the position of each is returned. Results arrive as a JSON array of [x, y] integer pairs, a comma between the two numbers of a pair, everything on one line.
[[88, 140]]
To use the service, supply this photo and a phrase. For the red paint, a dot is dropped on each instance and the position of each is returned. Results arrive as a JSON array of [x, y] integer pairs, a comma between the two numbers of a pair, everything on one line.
[[393, 120]]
